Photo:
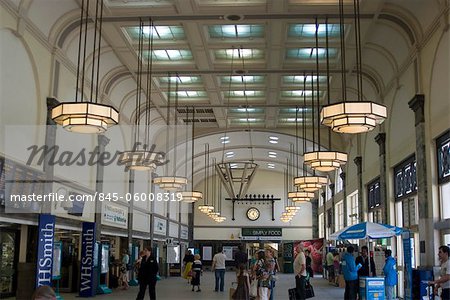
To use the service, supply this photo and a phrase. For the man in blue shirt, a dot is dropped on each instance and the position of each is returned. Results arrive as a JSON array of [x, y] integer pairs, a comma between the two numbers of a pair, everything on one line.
[[390, 274], [350, 271]]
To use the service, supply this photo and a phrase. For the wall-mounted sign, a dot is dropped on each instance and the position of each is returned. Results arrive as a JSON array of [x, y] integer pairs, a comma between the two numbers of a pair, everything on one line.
[[262, 233], [87, 260], [46, 231], [159, 226], [184, 233], [173, 230], [115, 215]]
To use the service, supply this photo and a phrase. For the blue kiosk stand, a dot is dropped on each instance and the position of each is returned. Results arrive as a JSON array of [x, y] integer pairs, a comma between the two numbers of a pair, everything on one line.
[[371, 288], [133, 258], [103, 257]]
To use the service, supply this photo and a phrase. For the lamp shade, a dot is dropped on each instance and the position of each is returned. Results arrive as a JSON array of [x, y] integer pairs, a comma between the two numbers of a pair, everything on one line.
[[300, 196], [170, 183], [85, 117], [325, 161], [353, 117], [310, 183], [191, 196]]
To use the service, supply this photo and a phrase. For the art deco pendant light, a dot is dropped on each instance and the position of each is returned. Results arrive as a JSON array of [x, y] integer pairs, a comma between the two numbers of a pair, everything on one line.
[[206, 207], [324, 161], [174, 182], [140, 158], [306, 183], [191, 196], [87, 116], [352, 116]]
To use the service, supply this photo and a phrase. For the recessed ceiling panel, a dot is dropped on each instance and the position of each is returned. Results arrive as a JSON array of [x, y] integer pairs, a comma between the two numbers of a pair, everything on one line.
[[237, 31]]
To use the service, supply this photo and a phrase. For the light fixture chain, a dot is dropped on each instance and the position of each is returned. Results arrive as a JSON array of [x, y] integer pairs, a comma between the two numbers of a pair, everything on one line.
[[80, 37], [342, 40], [318, 85], [94, 44], [149, 84], [241, 53], [327, 46], [83, 68], [228, 105], [99, 51]]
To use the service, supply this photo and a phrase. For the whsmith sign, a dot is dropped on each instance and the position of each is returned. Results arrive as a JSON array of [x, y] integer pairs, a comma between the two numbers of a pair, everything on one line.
[[262, 233]]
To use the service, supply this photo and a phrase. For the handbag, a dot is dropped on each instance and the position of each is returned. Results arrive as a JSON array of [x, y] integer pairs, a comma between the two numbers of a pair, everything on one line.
[[254, 288], [292, 294], [309, 290]]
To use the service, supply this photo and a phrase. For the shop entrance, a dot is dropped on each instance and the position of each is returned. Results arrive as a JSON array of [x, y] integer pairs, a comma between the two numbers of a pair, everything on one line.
[[9, 254], [69, 260]]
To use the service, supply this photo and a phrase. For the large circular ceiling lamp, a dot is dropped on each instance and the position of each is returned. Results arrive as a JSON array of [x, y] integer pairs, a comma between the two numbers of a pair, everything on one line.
[[300, 196], [352, 116], [206, 207], [310, 183], [323, 161], [87, 116]]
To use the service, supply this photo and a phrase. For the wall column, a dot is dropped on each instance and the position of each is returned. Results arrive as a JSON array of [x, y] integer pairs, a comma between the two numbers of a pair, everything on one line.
[[381, 141], [344, 192], [358, 162], [315, 219], [426, 227], [102, 141], [333, 221], [50, 142], [324, 196]]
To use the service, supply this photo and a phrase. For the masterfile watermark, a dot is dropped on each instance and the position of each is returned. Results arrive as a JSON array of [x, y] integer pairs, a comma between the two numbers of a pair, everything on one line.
[[56, 156]]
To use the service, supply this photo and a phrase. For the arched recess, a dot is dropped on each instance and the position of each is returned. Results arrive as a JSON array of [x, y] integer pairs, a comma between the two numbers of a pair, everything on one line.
[[21, 102], [437, 107]]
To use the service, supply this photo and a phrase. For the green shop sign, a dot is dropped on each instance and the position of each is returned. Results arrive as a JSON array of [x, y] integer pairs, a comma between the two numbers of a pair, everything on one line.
[[262, 233]]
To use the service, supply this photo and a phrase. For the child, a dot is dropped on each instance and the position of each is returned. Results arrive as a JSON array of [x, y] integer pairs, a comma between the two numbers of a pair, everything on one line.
[[196, 272]]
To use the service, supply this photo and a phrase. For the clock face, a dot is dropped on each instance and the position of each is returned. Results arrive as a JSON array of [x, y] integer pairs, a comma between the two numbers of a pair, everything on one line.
[[253, 213]]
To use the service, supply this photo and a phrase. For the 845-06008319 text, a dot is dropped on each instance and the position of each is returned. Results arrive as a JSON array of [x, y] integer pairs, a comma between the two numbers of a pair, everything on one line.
[[97, 196]]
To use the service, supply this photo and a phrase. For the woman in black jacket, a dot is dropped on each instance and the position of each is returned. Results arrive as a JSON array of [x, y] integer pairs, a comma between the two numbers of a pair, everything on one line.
[[147, 274]]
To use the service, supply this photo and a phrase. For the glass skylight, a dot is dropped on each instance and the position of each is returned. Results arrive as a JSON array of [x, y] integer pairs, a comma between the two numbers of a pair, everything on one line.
[[160, 32], [236, 31], [244, 93], [170, 55], [244, 111], [299, 79], [189, 94], [300, 93], [309, 30], [247, 79], [182, 79], [310, 53], [222, 54], [293, 110]]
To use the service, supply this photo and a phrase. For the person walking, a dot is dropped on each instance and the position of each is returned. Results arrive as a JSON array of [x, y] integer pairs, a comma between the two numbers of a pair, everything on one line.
[[271, 264], [350, 271], [309, 269], [300, 273], [242, 291], [196, 272], [188, 260], [444, 279], [147, 274], [218, 266], [124, 269], [390, 274], [240, 258], [337, 267], [330, 267], [262, 275]]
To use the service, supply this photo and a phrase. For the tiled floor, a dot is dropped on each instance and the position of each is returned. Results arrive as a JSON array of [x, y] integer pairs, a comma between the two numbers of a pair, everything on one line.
[[177, 288]]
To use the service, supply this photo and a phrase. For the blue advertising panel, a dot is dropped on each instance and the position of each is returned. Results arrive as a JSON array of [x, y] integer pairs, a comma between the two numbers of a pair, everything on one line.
[[407, 256], [46, 232], [87, 260]]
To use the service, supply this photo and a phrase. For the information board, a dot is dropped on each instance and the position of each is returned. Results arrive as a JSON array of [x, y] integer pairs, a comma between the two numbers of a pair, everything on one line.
[[57, 257], [173, 254], [207, 252]]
